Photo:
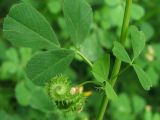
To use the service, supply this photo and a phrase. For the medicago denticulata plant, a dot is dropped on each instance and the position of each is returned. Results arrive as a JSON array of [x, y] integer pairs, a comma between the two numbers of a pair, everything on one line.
[[25, 26]]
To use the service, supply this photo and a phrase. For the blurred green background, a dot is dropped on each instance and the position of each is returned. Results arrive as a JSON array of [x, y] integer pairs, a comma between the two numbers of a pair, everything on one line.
[[20, 99]]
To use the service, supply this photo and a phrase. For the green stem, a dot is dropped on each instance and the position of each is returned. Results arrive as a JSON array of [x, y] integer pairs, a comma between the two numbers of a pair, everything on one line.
[[84, 58], [117, 64], [90, 82]]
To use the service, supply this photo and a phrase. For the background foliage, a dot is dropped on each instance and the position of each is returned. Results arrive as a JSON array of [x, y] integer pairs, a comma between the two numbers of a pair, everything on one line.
[[21, 99]]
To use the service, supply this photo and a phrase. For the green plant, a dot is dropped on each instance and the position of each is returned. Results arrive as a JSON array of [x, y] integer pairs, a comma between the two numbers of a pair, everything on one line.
[[26, 27]]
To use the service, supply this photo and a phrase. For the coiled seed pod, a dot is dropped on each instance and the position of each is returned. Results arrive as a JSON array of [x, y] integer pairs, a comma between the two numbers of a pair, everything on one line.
[[58, 88], [67, 98]]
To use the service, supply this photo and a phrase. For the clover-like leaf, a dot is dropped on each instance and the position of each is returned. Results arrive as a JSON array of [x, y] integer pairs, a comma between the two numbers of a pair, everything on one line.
[[143, 77], [138, 41], [78, 15], [43, 66], [109, 91], [25, 26], [120, 52], [101, 67]]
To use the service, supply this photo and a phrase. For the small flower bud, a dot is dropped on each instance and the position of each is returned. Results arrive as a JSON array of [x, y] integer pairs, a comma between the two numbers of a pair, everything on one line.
[[73, 91]]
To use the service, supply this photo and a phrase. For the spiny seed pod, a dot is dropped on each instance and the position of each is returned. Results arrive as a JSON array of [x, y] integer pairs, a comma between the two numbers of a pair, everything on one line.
[[58, 88], [79, 101], [67, 98]]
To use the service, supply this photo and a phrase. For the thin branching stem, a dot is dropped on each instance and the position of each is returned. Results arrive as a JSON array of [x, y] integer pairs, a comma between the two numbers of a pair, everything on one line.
[[90, 82], [84, 58], [117, 64]]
